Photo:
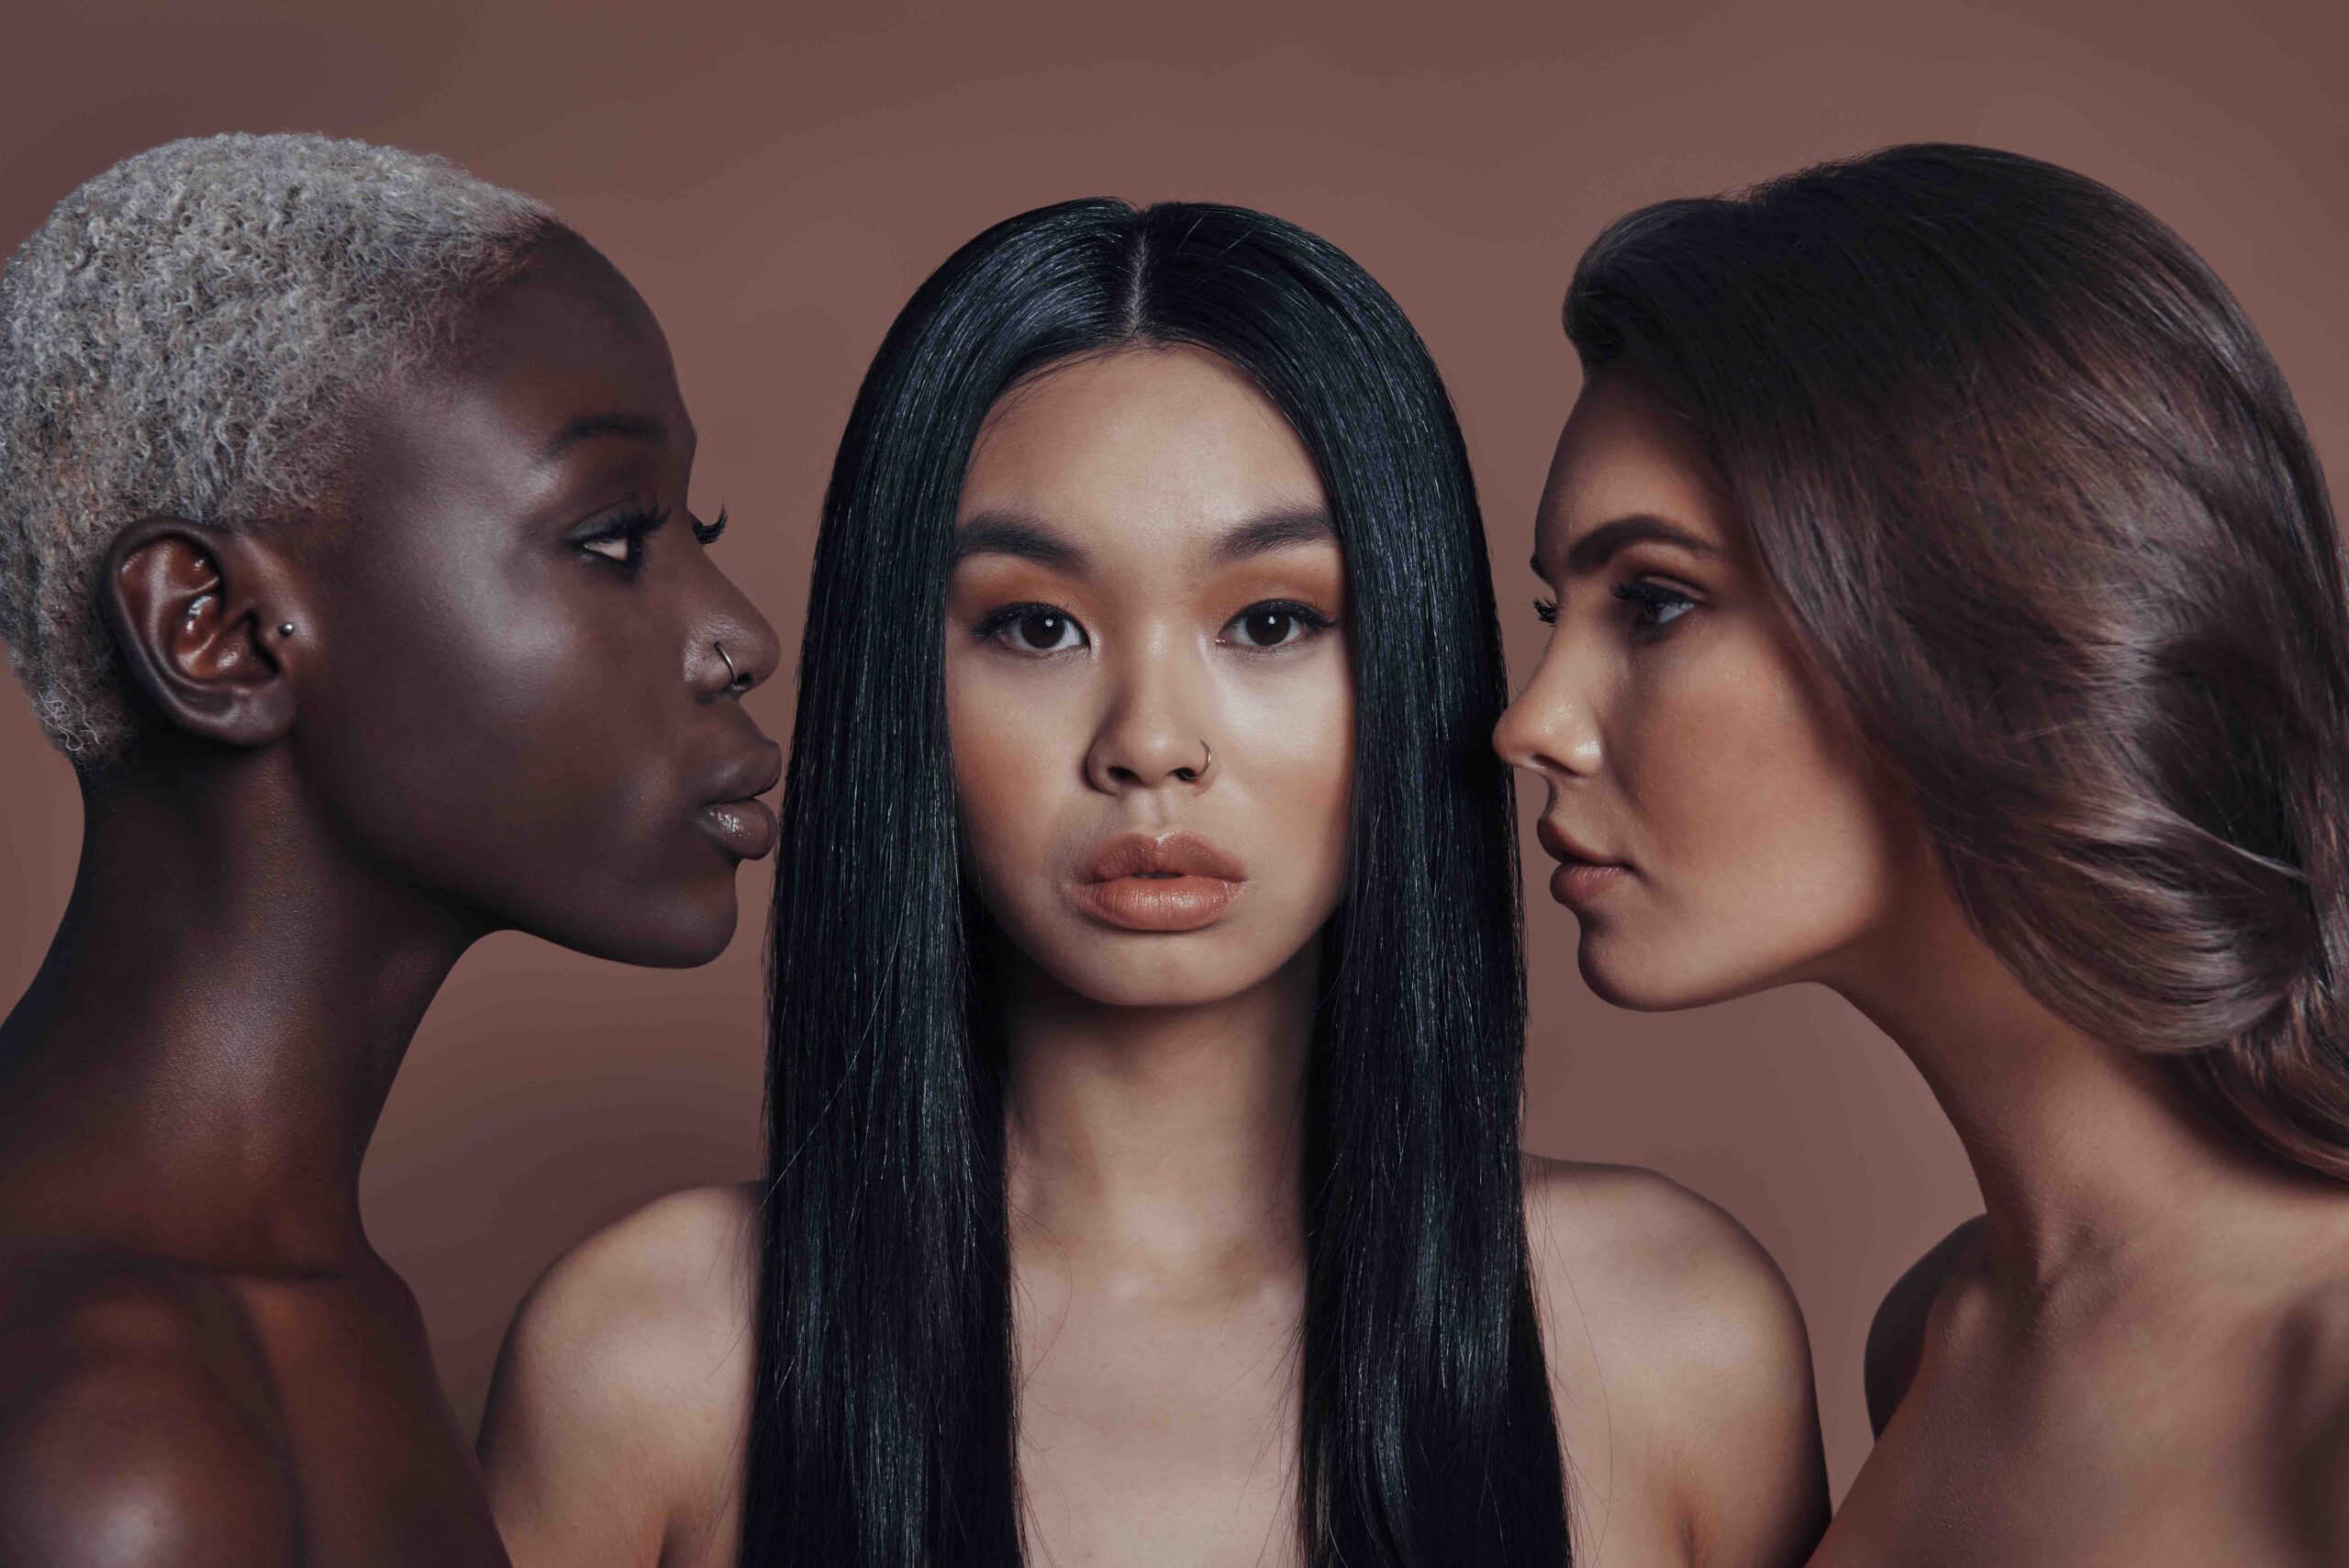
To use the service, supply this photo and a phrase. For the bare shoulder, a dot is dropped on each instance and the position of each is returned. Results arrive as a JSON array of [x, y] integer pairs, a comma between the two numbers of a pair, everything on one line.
[[1662, 1275], [2310, 1422], [1656, 1300], [615, 1416], [136, 1423], [1897, 1337]]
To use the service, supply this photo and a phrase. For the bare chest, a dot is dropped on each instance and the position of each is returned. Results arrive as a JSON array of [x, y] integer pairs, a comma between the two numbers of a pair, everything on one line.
[[2131, 1464], [1153, 1438]]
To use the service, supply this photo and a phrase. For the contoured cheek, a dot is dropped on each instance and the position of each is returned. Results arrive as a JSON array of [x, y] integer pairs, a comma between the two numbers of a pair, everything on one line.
[[1763, 849]]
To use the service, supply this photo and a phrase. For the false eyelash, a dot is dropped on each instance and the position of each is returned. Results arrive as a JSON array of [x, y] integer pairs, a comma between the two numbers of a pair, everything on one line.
[[707, 533], [1547, 609]]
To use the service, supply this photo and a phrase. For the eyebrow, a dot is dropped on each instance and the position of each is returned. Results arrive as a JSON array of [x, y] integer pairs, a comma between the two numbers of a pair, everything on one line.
[[1271, 531], [587, 426], [1603, 543], [1023, 539]]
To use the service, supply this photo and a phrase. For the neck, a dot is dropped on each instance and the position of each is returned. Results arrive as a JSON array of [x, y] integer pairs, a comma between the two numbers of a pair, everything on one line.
[[1161, 1141], [199, 1064], [2091, 1161]]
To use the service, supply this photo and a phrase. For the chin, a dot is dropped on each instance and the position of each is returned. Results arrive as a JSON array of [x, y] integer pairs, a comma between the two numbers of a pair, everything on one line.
[[1620, 980], [692, 934], [1189, 970], [1646, 979], [1149, 983]]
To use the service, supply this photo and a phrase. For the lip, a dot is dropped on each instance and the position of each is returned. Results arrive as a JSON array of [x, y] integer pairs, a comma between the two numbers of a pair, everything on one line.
[[1165, 882], [1583, 875], [730, 812]]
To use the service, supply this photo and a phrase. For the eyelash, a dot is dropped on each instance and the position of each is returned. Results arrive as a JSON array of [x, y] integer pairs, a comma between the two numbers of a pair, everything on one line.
[[1314, 622], [707, 533], [997, 622], [993, 628], [633, 528], [1646, 598]]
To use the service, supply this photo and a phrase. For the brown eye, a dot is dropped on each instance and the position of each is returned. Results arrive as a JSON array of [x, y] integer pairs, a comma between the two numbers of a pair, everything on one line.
[[1043, 633], [1276, 624], [1033, 629], [1268, 629]]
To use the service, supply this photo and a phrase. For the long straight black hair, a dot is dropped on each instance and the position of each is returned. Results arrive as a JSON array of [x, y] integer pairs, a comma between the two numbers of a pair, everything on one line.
[[882, 1431]]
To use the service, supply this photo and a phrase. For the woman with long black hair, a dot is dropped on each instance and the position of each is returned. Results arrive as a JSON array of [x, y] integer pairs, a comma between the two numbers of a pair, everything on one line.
[[1146, 1011], [1948, 610]]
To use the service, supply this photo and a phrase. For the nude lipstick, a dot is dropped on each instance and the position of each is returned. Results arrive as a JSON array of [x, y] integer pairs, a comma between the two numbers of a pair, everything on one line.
[[743, 825], [1582, 877], [1170, 882]]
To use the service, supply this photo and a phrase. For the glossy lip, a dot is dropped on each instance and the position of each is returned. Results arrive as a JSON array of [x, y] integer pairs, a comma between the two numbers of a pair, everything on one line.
[[743, 826], [1582, 874], [1165, 882]]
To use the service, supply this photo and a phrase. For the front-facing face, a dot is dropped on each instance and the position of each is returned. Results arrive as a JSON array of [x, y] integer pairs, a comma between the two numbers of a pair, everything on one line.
[[1716, 828], [1149, 689], [511, 688]]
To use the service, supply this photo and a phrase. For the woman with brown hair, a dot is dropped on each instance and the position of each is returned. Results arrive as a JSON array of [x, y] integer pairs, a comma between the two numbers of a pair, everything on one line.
[[1949, 611]]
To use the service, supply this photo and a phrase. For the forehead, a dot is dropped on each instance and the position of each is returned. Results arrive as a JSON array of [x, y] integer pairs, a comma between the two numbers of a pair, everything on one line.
[[566, 344], [1623, 453], [1139, 448], [568, 333]]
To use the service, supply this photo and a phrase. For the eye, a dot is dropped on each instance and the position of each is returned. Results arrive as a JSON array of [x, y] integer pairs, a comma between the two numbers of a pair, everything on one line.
[[1275, 623], [1033, 629], [620, 539], [1653, 604]]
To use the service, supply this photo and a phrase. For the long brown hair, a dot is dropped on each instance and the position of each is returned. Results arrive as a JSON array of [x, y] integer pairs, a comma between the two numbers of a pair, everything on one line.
[[2040, 503]]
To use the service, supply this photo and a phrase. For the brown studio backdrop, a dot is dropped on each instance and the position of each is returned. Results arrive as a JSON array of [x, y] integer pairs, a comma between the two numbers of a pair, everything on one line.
[[777, 182]]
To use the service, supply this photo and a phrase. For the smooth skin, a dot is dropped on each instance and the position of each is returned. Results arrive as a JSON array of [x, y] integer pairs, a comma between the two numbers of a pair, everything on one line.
[[493, 711], [1148, 571], [2139, 1355]]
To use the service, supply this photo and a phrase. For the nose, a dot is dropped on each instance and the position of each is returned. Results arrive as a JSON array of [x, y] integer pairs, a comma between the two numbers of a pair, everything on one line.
[[1152, 734], [735, 649], [1552, 726]]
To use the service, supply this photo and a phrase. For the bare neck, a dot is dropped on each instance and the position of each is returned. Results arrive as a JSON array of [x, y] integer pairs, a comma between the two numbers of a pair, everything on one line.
[[1162, 1142], [199, 1064], [2092, 1164]]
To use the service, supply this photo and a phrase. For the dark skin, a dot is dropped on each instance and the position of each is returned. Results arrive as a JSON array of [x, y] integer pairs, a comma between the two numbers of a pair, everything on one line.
[[501, 705]]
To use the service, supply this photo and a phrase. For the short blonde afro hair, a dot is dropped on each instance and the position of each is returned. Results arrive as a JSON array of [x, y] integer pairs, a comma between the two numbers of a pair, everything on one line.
[[180, 337]]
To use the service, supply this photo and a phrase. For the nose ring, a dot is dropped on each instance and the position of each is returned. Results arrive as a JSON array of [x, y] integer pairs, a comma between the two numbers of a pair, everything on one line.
[[1206, 761], [733, 676]]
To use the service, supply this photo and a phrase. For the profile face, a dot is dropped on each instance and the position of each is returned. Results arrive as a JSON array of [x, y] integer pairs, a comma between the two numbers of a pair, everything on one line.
[[512, 693], [1149, 689], [1716, 827]]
